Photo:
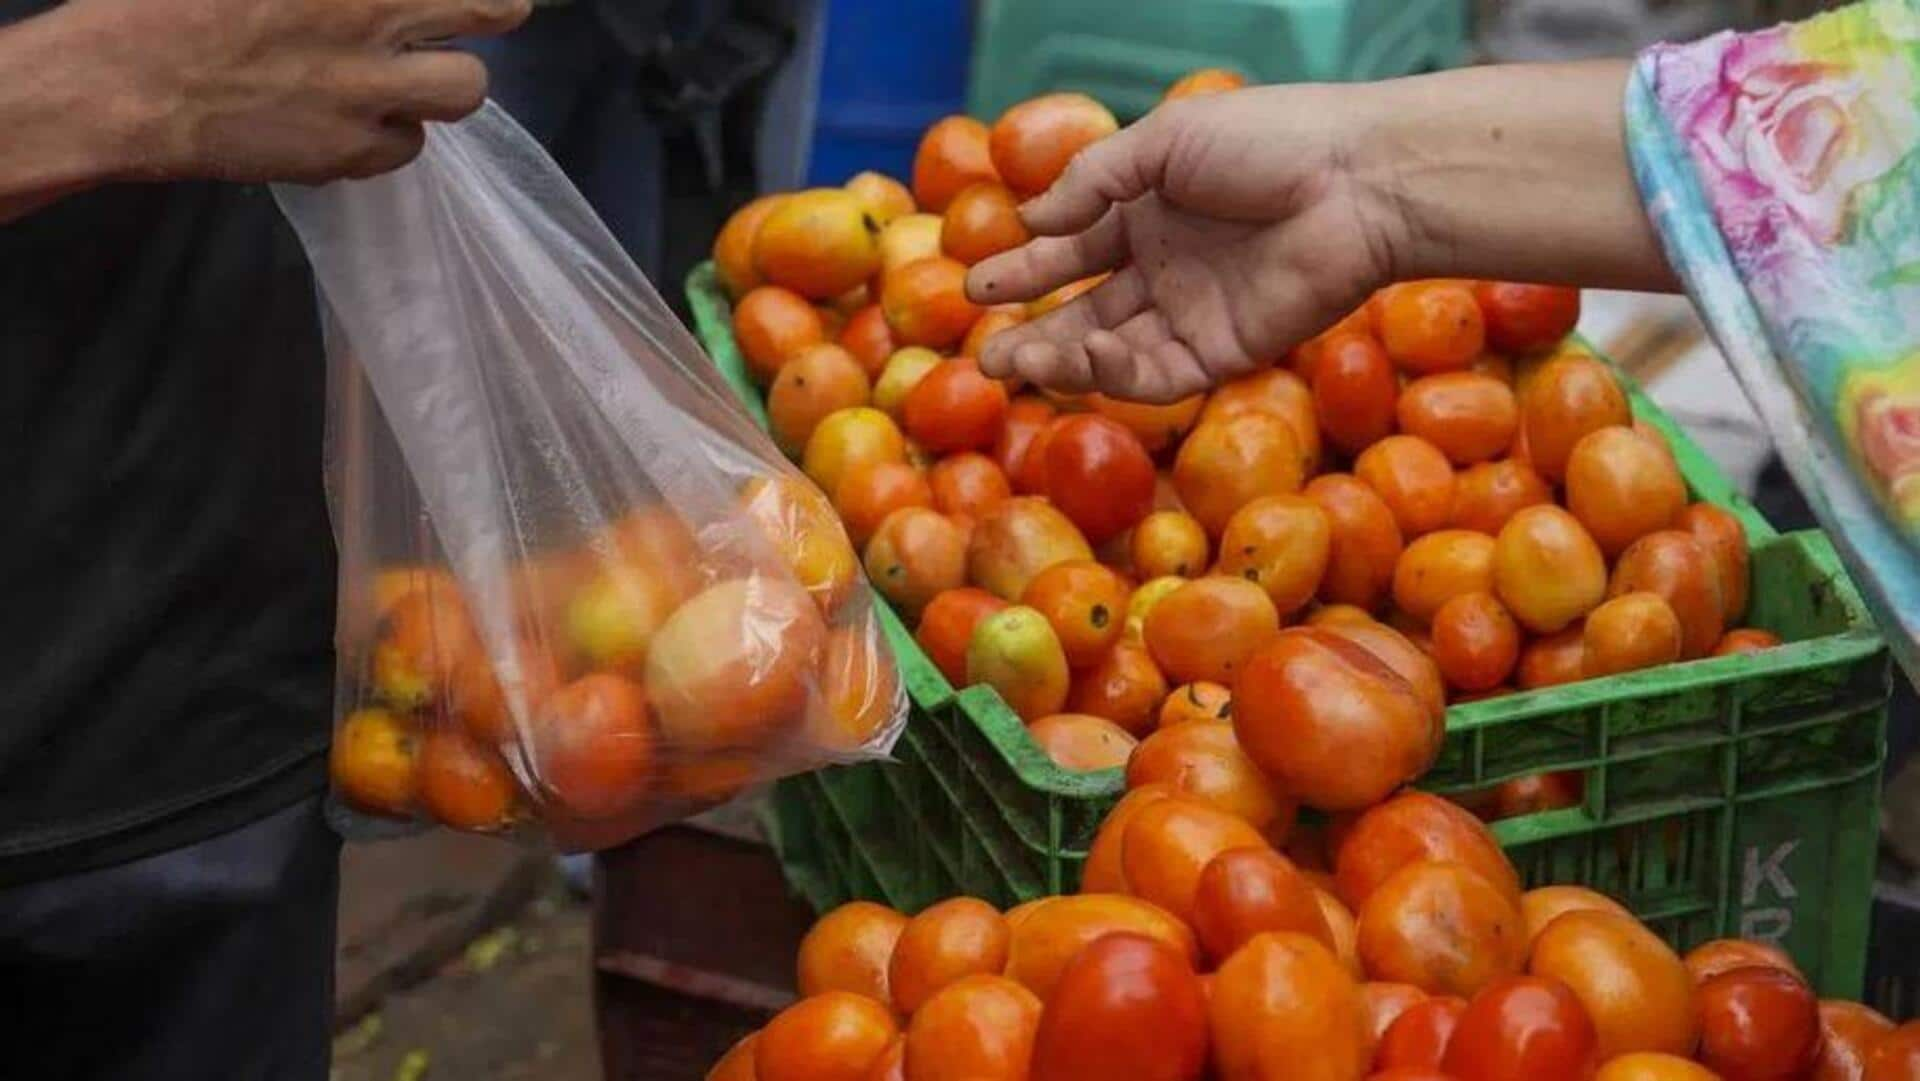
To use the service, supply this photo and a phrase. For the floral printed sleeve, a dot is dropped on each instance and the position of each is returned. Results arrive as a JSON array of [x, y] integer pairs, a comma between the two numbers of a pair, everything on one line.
[[1782, 170]]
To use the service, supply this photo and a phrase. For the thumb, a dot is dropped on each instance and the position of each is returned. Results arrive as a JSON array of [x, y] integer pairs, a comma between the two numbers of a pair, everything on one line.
[[1118, 169]]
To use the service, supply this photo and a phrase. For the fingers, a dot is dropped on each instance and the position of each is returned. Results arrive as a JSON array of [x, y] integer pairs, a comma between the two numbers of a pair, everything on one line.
[[442, 85], [1118, 169], [1050, 350], [413, 21], [1047, 263]]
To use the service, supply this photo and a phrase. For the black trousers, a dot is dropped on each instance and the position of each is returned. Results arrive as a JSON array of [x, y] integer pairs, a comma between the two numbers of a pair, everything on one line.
[[212, 962]]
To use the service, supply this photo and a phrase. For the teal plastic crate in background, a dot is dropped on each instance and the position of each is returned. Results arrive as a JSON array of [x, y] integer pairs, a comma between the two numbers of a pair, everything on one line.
[[1727, 796], [1128, 54]]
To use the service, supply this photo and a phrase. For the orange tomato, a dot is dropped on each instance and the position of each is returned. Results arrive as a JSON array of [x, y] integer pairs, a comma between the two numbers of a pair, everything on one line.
[[1633, 985], [1566, 398], [1709, 959], [463, 783], [1081, 742], [1127, 1005], [1207, 628], [982, 220], [947, 625], [1169, 842], [592, 746], [833, 1036], [1204, 81], [1430, 326], [1676, 567], [1204, 762], [954, 408], [1521, 318], [1476, 643], [915, 555], [1745, 640], [952, 156], [1848, 1033], [868, 340], [1018, 539], [1540, 907], [1413, 827], [1418, 1038], [374, 762], [1098, 474], [1157, 427], [1547, 570], [858, 689], [733, 666], [1627, 633], [1486, 495], [1015, 652], [1201, 700], [1653, 1066], [1124, 686], [849, 437], [1168, 542], [1406, 658], [992, 321], [1441, 927], [871, 491], [884, 197], [1553, 659], [1281, 543], [1060, 927], [908, 238], [1033, 141], [1103, 871], [969, 484], [733, 246], [1226, 464], [1440, 566], [1355, 392], [925, 302], [1366, 541], [1725, 541], [1283, 1007], [1469, 416], [818, 243], [978, 1028], [849, 949], [1277, 391], [949, 941], [1537, 792], [1244, 892], [423, 638], [1622, 487], [1413, 478], [1760, 1022], [1331, 722]]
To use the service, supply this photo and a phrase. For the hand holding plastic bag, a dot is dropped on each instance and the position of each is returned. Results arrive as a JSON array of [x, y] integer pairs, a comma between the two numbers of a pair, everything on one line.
[[577, 584]]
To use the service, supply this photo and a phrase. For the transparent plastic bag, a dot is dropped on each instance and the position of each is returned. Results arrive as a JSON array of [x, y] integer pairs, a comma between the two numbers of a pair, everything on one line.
[[578, 587]]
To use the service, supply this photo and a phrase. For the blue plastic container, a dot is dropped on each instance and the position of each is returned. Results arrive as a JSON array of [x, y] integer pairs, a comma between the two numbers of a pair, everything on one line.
[[887, 71]]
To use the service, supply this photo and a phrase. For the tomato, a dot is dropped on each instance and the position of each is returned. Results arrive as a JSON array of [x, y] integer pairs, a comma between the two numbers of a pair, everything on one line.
[[947, 624], [925, 302], [1017, 540], [1170, 842], [833, 1036], [737, 1063], [1848, 1034], [1553, 659], [1521, 318], [983, 220], [916, 554], [1168, 542], [1627, 633], [953, 154], [1244, 892], [1653, 1066], [1440, 566], [1622, 487], [1896, 1056], [1207, 628], [1081, 742], [1725, 541], [1413, 827], [1126, 1006], [871, 491], [1015, 652], [1745, 640], [1476, 643], [464, 783], [1355, 392], [955, 408], [772, 324], [1198, 701], [1676, 567], [905, 368], [1758, 1023], [1033, 141], [849, 949], [733, 245], [374, 762], [968, 483], [1026, 419], [1283, 1007], [1523, 1028], [1413, 478], [1276, 391], [1103, 871], [1157, 427], [1060, 927], [1566, 398], [1226, 464], [1280, 543], [1430, 326], [1486, 495], [1142, 603], [1204, 81], [1331, 722], [815, 382], [945, 943], [820, 243], [1124, 686], [1085, 603], [1408, 659], [592, 746], [1205, 762], [847, 438], [1098, 474], [1366, 541], [1636, 990], [1537, 792], [1709, 959], [1441, 927], [1547, 569], [978, 1028], [1418, 1038], [1542, 906], [1471, 417]]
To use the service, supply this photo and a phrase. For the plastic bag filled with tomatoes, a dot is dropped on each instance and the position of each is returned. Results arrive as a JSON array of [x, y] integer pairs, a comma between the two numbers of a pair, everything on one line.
[[578, 587]]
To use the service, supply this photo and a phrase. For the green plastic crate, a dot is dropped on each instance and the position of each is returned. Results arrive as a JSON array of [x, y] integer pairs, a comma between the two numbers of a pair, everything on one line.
[[1735, 795], [1128, 54]]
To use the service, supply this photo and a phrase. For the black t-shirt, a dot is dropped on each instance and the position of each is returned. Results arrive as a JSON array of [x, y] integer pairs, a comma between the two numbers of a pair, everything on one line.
[[166, 566]]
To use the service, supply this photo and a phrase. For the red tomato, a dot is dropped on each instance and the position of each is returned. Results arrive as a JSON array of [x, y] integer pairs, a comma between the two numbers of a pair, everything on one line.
[[1758, 1023], [1523, 1028], [1521, 318], [1418, 1038], [1126, 1006], [1098, 474], [1355, 392], [955, 408]]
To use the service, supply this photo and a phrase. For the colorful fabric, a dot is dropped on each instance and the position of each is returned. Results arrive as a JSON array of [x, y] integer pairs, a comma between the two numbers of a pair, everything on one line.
[[1782, 170]]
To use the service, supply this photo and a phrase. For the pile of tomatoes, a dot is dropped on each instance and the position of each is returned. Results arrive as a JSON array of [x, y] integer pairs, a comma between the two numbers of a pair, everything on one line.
[[1441, 497], [1199, 950]]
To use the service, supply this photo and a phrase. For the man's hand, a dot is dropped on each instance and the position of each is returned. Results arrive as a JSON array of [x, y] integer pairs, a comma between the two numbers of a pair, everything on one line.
[[244, 90], [1238, 225]]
